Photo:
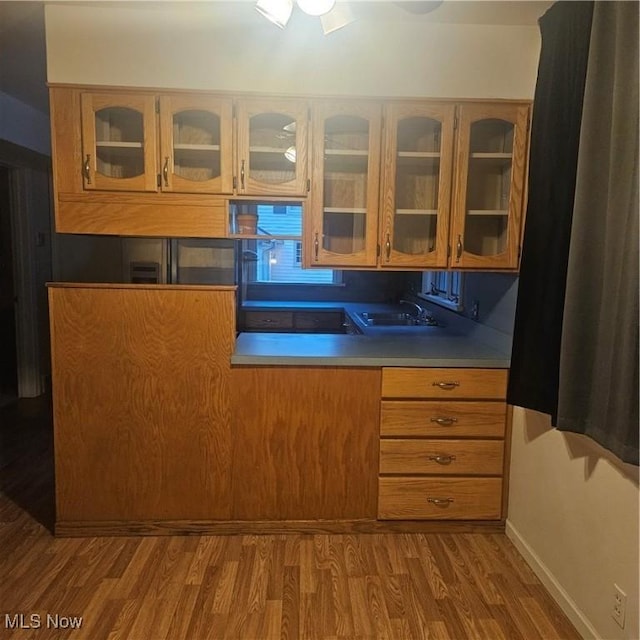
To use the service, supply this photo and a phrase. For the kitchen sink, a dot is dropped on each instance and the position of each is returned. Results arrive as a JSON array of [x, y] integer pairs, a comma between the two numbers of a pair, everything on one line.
[[398, 319]]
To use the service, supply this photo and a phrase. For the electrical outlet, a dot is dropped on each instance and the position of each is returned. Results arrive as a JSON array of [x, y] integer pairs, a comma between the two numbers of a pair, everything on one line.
[[475, 309], [619, 605]]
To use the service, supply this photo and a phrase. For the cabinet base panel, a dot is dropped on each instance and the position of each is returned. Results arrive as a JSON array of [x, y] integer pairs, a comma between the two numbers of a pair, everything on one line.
[[269, 527]]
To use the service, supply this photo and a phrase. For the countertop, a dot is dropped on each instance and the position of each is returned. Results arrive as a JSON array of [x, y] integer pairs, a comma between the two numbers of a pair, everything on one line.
[[420, 346]]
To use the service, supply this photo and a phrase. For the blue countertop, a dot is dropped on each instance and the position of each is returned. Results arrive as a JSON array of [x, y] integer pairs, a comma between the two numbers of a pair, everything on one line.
[[419, 346]]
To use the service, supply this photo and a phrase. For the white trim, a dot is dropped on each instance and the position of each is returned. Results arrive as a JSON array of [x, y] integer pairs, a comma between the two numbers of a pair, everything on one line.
[[551, 583]]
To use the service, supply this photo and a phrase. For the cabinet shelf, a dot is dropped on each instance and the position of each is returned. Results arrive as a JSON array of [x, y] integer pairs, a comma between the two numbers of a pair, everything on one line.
[[196, 147], [417, 212], [109, 144], [345, 210]]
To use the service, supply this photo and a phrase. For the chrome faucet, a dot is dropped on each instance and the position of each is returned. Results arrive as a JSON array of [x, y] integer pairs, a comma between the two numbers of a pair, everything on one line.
[[423, 316]]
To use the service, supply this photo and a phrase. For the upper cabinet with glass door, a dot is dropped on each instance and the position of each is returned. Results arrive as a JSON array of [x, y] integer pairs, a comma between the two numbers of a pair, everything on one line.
[[118, 142], [418, 155], [272, 147], [343, 229], [489, 185], [195, 144]]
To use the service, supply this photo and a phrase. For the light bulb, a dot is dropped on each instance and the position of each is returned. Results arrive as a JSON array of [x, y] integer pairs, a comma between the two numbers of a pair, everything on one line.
[[290, 154], [278, 11], [316, 7]]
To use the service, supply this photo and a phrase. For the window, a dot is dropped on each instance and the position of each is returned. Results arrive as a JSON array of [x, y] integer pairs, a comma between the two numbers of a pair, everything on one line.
[[275, 256], [444, 288]]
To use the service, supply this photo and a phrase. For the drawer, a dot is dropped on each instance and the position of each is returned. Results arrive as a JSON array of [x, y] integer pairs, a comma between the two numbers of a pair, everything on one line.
[[442, 457], [265, 320], [439, 498], [401, 382], [453, 419], [318, 321]]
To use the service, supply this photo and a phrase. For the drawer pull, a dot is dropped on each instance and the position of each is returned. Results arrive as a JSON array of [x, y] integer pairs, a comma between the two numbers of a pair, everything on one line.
[[440, 502], [447, 386], [442, 459], [444, 421]]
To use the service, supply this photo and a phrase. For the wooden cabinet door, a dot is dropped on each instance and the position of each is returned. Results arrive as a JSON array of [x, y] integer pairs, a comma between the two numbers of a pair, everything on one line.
[[141, 404], [196, 144], [489, 185], [305, 443], [416, 184], [119, 142], [272, 147], [343, 230]]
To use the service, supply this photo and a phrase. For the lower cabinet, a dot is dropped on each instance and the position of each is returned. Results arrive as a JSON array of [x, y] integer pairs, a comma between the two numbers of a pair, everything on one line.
[[141, 409], [442, 444], [305, 443]]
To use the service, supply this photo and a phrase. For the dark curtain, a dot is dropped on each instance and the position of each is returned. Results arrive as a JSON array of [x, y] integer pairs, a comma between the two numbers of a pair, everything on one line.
[[575, 348], [598, 393], [555, 134]]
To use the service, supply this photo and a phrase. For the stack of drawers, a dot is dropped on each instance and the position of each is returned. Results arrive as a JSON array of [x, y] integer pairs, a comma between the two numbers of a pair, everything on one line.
[[442, 447]]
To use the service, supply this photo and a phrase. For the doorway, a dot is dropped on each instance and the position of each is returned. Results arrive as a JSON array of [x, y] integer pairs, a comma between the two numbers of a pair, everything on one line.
[[8, 342]]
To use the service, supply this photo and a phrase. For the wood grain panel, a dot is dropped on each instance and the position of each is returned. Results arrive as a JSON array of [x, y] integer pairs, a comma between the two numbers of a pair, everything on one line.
[[419, 418], [66, 139], [141, 402], [155, 215], [409, 498], [401, 382], [305, 442], [446, 457]]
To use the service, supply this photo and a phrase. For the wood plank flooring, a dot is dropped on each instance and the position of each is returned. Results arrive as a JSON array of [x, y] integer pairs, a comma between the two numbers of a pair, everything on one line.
[[364, 586]]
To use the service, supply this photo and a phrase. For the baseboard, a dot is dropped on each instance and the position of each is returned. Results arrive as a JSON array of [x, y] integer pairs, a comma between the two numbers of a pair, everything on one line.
[[555, 589], [246, 527]]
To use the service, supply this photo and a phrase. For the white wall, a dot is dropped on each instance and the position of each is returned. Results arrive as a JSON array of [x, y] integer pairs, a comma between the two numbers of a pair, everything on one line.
[[229, 46], [23, 125], [573, 513]]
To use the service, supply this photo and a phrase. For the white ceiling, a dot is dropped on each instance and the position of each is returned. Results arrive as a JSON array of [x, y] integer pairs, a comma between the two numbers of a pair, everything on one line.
[[22, 39]]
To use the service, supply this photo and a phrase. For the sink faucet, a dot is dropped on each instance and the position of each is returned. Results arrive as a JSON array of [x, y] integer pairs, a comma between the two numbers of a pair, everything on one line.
[[423, 315]]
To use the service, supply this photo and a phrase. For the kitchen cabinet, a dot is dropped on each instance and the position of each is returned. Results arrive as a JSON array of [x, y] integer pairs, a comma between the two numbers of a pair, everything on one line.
[[141, 407], [272, 139], [416, 184], [346, 146], [296, 321], [121, 136], [305, 443], [443, 444], [489, 186], [140, 163], [451, 184]]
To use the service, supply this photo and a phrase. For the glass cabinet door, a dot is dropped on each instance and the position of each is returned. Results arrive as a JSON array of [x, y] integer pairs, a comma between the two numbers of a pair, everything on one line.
[[118, 142], [346, 166], [272, 147], [489, 186], [195, 139], [417, 184]]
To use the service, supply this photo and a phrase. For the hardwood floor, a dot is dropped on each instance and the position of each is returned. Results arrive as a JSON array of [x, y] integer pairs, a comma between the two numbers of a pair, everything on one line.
[[397, 586]]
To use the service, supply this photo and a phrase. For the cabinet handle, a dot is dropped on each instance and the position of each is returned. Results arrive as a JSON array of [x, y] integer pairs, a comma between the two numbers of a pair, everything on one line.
[[87, 169], [444, 421], [441, 502], [459, 249], [165, 171], [316, 247], [387, 247], [242, 175], [445, 459], [446, 386]]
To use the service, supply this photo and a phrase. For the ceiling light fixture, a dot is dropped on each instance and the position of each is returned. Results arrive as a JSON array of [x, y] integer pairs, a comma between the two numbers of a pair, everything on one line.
[[333, 15], [278, 11], [316, 7]]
